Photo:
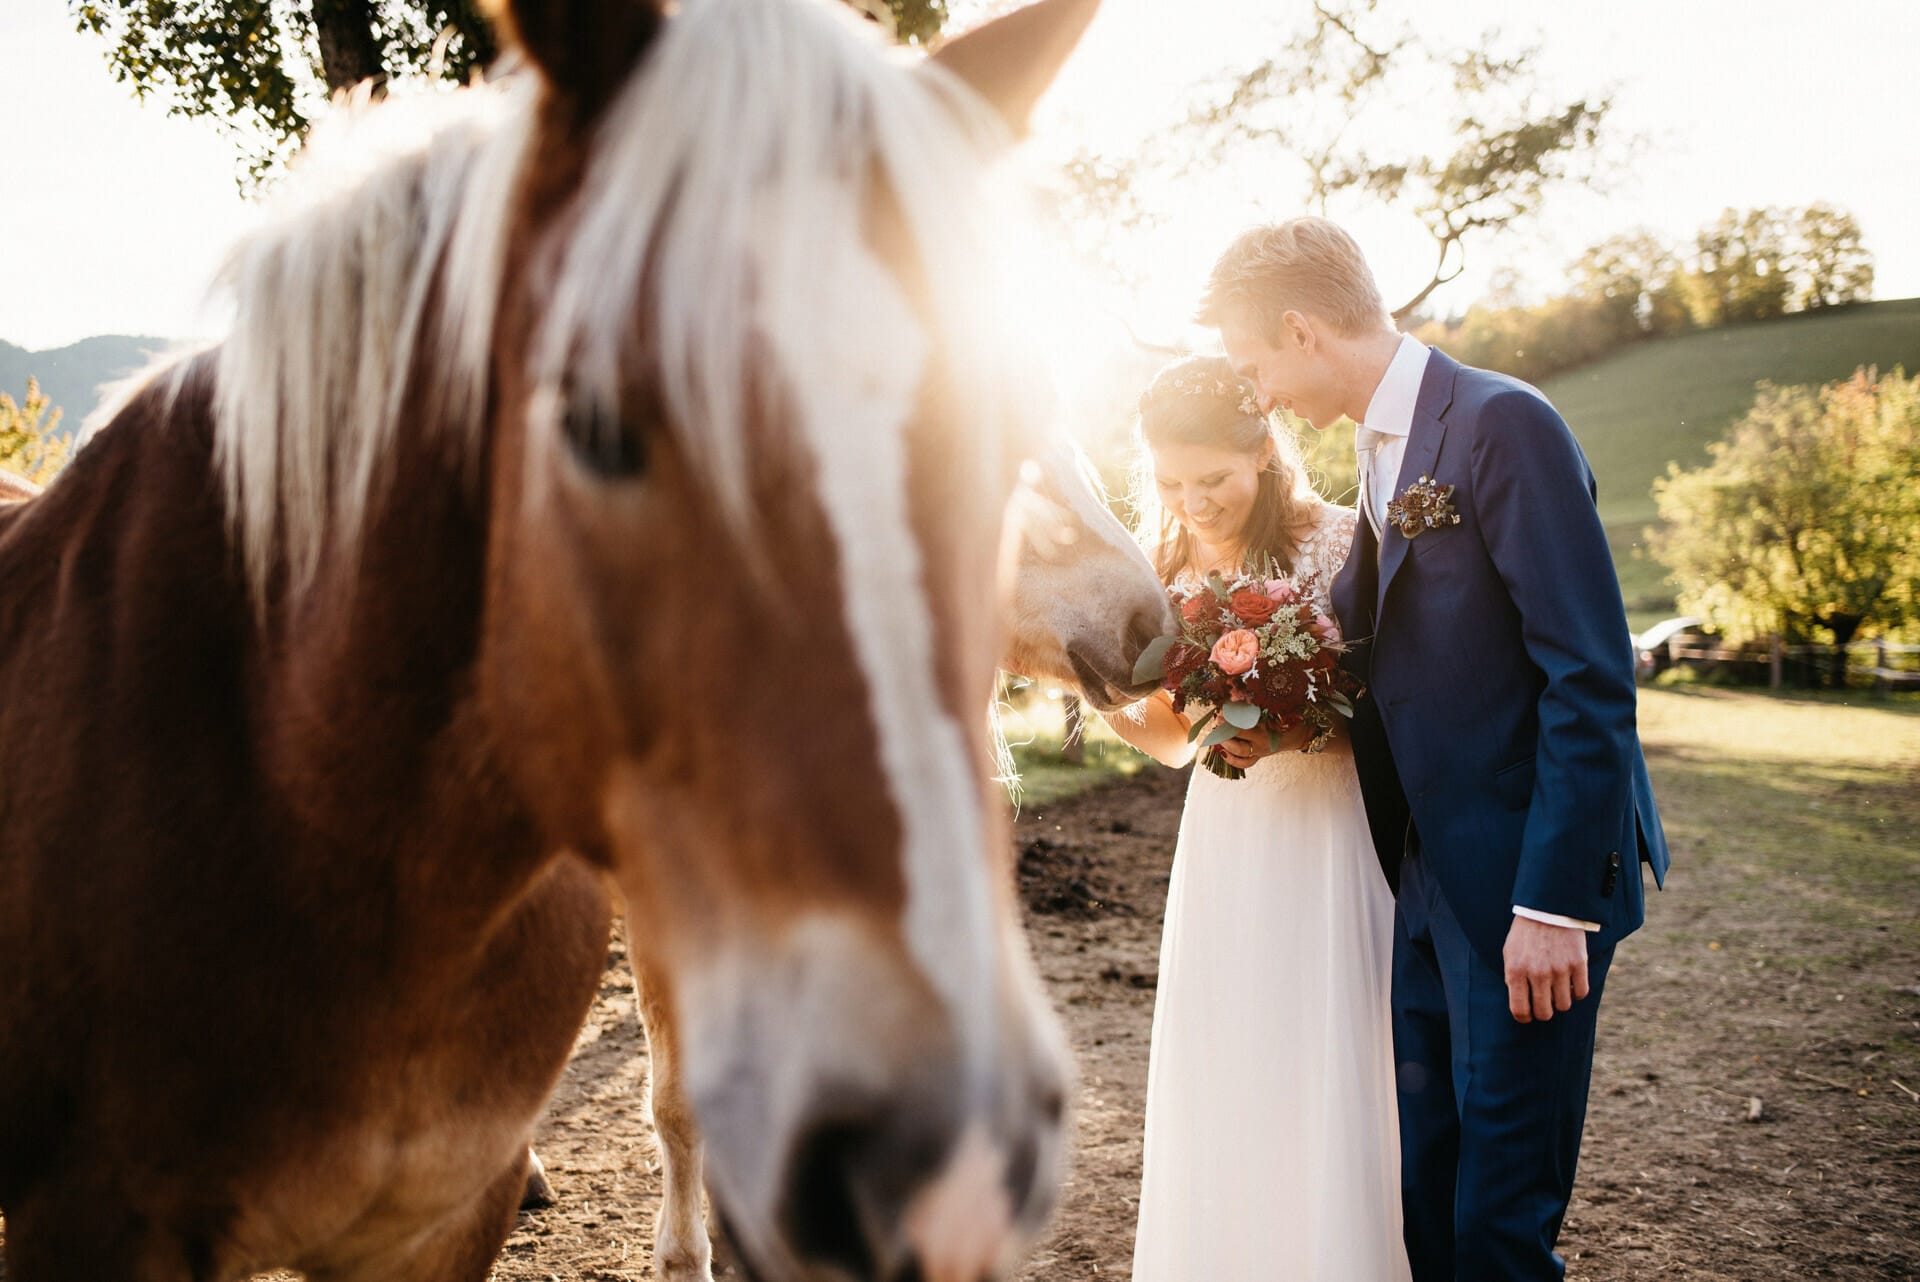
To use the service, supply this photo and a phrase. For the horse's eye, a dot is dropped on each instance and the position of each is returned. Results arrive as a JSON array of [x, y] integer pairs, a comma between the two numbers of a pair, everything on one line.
[[604, 442]]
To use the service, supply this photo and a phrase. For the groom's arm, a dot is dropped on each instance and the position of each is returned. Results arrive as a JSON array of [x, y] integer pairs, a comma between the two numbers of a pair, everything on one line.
[[1534, 499]]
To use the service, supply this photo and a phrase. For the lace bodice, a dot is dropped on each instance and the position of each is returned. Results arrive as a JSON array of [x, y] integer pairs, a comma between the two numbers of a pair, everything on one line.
[[1320, 557], [1324, 553]]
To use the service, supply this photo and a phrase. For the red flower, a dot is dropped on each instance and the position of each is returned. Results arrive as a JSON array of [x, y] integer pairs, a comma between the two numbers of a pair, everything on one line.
[[1254, 608], [1202, 607], [1183, 660]]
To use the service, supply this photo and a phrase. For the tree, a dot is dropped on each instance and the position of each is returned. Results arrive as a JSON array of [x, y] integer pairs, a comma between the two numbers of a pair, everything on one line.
[[1744, 265], [1806, 516], [1511, 145], [1636, 281], [261, 69], [27, 443], [1834, 266]]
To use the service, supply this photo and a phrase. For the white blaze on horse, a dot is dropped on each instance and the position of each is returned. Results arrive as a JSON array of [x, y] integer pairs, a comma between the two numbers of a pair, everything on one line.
[[613, 462], [1083, 602]]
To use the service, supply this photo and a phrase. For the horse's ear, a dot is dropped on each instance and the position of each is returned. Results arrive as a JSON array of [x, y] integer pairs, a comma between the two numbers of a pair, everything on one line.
[[584, 48], [1011, 60]]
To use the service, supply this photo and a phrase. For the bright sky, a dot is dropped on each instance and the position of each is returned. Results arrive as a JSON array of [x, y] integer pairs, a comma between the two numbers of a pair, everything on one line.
[[117, 214]]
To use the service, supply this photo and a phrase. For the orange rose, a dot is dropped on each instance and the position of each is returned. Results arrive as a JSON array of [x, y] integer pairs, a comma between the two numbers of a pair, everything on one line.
[[1254, 608], [1235, 652]]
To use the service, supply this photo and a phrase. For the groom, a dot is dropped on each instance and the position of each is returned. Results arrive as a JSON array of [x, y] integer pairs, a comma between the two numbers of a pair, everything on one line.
[[1497, 750]]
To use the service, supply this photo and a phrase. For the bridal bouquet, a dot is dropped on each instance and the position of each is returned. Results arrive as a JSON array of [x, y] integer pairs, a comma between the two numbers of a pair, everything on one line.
[[1253, 653]]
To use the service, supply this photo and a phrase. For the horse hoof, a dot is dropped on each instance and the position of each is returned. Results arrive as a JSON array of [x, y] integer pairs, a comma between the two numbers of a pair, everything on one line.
[[538, 1195]]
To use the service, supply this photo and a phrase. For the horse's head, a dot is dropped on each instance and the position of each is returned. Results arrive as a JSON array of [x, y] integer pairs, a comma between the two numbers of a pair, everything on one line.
[[754, 429], [1085, 599]]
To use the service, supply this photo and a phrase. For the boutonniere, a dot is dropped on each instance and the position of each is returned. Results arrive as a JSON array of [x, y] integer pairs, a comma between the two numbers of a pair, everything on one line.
[[1422, 506]]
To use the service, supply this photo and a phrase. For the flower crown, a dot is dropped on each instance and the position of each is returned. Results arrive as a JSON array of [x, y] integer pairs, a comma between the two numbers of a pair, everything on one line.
[[1197, 383]]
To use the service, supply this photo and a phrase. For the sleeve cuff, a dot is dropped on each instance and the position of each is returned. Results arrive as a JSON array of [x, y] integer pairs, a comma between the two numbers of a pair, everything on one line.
[[1555, 919]]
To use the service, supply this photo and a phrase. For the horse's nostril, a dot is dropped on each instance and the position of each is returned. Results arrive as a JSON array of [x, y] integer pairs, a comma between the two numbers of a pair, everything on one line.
[[823, 1210], [1144, 629], [1022, 1171]]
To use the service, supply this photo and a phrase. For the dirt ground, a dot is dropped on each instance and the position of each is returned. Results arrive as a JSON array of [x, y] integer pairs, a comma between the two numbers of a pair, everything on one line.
[[1732, 993], [1764, 975]]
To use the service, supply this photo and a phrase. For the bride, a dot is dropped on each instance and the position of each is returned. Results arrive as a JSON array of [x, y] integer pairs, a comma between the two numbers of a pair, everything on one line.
[[1272, 1145]]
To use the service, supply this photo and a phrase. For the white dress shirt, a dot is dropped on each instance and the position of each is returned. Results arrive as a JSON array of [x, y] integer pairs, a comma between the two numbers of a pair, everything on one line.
[[1380, 444], [1389, 421]]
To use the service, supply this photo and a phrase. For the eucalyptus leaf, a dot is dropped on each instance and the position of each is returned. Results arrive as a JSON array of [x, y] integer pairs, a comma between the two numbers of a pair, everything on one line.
[[1243, 716], [1152, 663], [1198, 727], [1221, 733], [1341, 704]]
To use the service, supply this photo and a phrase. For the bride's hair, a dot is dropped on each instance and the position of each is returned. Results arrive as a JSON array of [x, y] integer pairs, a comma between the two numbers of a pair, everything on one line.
[[1199, 400]]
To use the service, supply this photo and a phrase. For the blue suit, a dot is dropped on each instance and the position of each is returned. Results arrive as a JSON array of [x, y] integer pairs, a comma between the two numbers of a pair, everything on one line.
[[1501, 766]]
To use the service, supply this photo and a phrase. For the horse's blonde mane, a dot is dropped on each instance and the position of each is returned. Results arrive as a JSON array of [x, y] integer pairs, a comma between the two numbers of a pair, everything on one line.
[[735, 166], [330, 316]]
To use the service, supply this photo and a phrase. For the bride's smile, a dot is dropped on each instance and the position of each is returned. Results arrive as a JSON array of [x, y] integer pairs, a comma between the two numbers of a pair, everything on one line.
[[1210, 491]]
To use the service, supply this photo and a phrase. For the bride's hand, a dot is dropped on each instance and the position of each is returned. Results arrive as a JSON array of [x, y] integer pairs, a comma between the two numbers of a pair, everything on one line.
[[1249, 746]]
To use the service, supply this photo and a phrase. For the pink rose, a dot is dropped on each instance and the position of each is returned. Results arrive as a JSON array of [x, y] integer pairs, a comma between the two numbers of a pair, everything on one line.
[[1282, 591], [1235, 652], [1326, 629]]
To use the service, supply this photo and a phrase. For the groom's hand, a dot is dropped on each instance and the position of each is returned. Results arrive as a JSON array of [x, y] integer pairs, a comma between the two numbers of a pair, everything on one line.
[[1546, 968]]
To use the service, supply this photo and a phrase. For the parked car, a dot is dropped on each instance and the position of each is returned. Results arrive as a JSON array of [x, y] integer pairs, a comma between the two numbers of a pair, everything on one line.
[[1653, 649]]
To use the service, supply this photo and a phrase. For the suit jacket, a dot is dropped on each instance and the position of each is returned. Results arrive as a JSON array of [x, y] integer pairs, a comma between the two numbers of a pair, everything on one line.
[[1498, 729]]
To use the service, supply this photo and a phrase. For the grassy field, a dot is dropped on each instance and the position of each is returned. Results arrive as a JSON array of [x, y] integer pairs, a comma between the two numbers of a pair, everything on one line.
[[1662, 402], [1034, 725]]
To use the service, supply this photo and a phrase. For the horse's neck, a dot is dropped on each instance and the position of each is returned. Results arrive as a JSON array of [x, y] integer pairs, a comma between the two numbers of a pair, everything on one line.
[[340, 732], [379, 736]]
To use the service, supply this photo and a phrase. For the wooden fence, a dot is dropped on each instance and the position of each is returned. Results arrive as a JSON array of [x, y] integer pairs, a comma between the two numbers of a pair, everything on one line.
[[1887, 666]]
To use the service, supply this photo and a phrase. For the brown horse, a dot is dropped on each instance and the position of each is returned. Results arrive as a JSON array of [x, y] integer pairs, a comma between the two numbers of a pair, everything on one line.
[[614, 464]]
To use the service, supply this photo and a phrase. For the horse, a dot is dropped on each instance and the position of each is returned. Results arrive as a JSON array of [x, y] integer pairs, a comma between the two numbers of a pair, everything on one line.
[[598, 492]]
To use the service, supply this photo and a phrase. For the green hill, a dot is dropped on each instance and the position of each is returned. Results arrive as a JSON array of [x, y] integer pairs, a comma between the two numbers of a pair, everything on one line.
[[1663, 401]]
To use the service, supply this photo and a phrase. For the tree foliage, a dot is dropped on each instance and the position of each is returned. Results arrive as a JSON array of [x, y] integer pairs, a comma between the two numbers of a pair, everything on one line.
[[1511, 143], [1749, 265], [1833, 267], [262, 69], [1806, 518], [27, 443]]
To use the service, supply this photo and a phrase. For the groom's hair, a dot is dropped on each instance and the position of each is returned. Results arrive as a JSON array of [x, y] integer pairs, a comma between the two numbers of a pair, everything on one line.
[[1303, 264]]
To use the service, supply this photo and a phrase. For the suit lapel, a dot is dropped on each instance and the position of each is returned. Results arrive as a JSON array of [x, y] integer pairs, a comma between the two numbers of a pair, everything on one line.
[[1353, 587], [1423, 447]]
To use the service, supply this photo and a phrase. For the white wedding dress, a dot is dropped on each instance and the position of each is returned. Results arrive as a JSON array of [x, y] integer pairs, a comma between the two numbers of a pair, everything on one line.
[[1272, 1139]]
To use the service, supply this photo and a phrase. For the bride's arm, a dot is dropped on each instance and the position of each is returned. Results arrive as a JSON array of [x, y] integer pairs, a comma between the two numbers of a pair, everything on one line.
[[1152, 726]]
